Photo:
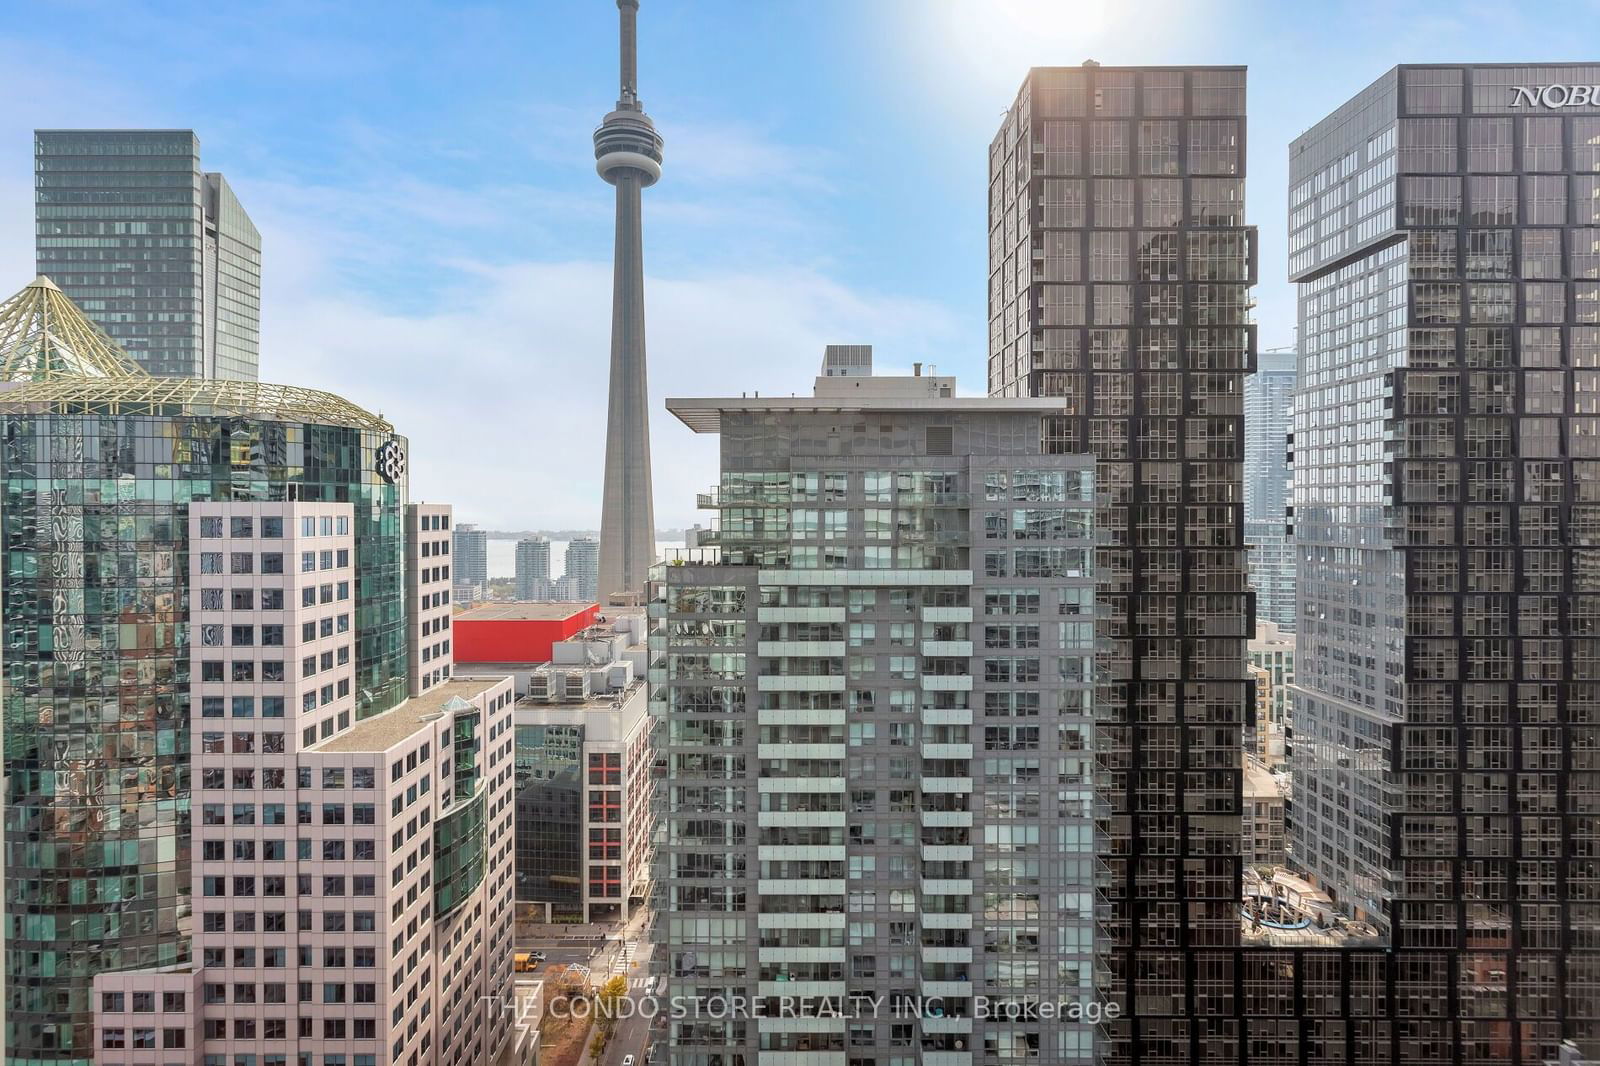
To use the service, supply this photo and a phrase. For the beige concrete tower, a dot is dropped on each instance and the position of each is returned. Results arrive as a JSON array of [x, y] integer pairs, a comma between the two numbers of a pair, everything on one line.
[[627, 152]]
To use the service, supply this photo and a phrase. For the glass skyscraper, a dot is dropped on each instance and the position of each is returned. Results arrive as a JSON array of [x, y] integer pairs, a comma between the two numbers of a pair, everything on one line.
[[158, 252], [98, 467], [1445, 235], [1120, 269], [1268, 397]]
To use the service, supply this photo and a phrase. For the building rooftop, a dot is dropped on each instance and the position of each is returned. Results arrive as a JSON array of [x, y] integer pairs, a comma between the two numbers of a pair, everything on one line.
[[383, 731], [1259, 782], [704, 414], [1270, 634], [612, 700], [523, 611]]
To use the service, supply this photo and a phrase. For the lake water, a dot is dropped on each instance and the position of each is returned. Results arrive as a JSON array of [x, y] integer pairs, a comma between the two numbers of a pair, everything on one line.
[[503, 556]]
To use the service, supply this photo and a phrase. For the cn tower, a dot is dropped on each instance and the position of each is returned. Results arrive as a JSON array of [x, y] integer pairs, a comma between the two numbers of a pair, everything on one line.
[[627, 152]]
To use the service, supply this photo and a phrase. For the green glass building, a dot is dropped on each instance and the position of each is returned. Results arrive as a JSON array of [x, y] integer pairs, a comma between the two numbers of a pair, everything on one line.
[[99, 463]]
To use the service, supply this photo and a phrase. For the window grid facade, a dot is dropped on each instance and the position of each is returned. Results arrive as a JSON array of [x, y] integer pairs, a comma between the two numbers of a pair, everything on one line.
[[159, 253], [97, 616], [1120, 271], [1444, 228], [876, 726]]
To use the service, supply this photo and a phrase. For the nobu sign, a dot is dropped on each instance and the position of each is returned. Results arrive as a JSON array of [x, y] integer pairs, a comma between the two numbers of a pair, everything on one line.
[[1555, 95]]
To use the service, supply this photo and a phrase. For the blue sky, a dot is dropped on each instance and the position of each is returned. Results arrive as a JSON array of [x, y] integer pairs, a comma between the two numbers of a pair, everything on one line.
[[437, 243]]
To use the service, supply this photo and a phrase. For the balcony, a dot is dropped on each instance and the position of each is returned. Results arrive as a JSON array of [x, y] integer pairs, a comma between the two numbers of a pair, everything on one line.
[[800, 716], [946, 990], [812, 649], [865, 578], [778, 954], [932, 499], [947, 819], [942, 853], [945, 1025], [947, 921], [800, 1058], [961, 955], [800, 1023], [800, 751], [800, 614], [945, 1058], [801, 886], [947, 887], [947, 784], [800, 990], [947, 751], [801, 921], [947, 682], [802, 784], [805, 819], [947, 716], [801, 852], [959, 649], [806, 683], [947, 614]]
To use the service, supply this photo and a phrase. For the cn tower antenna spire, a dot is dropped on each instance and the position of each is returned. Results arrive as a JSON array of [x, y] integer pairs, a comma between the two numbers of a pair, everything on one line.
[[628, 12], [627, 152]]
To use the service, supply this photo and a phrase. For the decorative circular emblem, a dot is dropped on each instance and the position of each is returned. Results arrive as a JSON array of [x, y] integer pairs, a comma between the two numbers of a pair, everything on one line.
[[391, 461]]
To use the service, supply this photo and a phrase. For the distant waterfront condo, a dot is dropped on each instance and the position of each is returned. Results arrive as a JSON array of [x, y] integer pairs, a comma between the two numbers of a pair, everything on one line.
[[627, 151], [583, 568], [533, 568], [875, 694], [1445, 238], [470, 548], [158, 252]]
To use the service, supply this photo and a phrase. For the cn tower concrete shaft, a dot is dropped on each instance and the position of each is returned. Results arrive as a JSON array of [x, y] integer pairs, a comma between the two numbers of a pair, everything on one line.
[[627, 152]]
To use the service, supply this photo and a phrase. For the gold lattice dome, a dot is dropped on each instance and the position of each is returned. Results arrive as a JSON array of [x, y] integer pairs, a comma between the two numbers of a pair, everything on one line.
[[54, 360], [44, 337]]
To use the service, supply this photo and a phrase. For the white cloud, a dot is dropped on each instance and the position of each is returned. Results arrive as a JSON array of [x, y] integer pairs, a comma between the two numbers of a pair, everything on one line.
[[723, 152], [501, 387]]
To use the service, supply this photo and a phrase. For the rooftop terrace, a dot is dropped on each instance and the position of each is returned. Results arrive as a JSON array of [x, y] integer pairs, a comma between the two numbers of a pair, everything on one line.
[[383, 731]]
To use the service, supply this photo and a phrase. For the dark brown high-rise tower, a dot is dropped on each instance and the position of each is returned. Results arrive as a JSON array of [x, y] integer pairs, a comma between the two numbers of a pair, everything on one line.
[[1119, 281]]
